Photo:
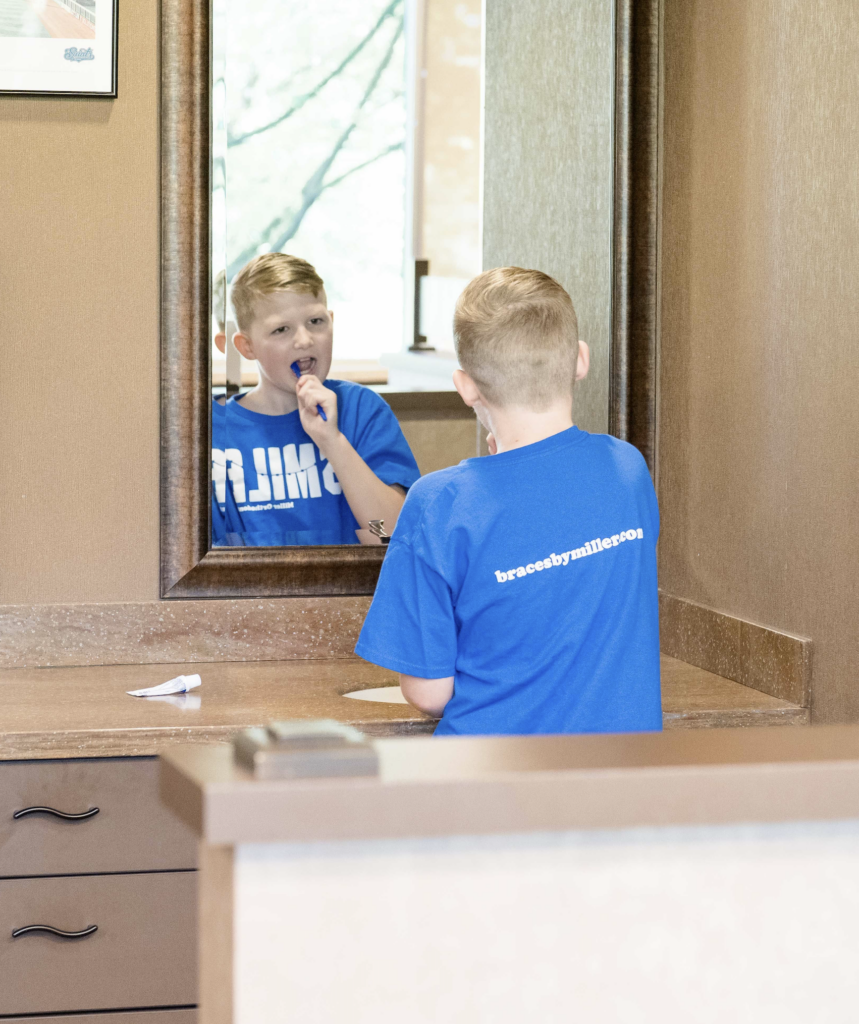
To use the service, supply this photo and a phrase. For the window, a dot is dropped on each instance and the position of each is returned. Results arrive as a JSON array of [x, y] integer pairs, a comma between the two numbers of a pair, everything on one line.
[[348, 132]]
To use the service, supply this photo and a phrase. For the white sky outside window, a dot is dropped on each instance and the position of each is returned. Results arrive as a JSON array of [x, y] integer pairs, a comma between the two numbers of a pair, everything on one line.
[[315, 156]]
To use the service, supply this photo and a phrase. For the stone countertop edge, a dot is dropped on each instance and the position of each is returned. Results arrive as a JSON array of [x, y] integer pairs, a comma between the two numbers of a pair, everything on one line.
[[99, 743], [497, 785], [74, 712]]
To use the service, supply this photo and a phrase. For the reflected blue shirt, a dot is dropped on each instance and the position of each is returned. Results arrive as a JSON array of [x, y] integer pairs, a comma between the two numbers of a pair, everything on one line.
[[530, 577], [272, 486]]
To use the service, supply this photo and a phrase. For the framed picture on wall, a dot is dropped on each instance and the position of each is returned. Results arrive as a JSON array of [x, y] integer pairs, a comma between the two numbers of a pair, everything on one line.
[[58, 47]]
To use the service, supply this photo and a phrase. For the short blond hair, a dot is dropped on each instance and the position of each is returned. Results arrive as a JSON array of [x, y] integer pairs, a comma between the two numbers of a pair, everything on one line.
[[264, 275], [517, 336]]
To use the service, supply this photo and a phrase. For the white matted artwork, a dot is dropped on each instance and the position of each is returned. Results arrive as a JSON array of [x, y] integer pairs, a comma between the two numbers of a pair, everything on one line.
[[59, 47]]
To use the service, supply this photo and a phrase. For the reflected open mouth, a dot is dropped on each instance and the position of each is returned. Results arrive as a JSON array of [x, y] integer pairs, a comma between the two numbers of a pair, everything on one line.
[[305, 365]]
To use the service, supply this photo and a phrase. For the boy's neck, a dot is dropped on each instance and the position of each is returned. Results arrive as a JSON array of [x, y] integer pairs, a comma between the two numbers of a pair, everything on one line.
[[268, 399], [515, 427]]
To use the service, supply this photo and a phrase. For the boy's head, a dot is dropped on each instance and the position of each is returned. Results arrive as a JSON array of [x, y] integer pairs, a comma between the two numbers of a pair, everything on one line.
[[517, 338], [282, 316]]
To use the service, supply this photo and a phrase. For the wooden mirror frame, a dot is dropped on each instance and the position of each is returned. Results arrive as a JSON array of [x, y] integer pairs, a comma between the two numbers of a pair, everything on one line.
[[189, 568]]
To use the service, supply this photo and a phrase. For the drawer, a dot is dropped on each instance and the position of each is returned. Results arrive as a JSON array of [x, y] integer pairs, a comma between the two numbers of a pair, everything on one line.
[[147, 1017], [132, 831], [143, 955]]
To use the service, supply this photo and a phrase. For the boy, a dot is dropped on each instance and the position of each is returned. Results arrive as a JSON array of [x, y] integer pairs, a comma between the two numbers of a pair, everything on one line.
[[518, 594], [282, 472]]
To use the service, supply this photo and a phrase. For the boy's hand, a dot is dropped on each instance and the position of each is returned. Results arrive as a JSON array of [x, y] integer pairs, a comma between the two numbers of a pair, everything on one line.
[[311, 392]]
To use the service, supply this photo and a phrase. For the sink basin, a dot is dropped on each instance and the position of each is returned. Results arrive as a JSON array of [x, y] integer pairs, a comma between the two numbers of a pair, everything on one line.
[[386, 694]]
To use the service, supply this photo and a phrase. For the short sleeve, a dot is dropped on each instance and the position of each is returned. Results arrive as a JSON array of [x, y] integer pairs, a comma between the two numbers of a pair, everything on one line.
[[381, 444], [410, 627]]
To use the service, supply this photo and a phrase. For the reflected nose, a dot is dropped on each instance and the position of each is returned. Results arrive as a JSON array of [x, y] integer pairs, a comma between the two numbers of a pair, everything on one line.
[[302, 338]]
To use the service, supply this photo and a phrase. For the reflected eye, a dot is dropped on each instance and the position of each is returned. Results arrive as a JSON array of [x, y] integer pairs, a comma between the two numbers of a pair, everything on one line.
[[317, 320], [279, 330]]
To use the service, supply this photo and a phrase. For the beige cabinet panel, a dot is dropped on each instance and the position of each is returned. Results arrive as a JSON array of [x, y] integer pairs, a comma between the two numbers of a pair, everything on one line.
[[142, 955], [132, 831]]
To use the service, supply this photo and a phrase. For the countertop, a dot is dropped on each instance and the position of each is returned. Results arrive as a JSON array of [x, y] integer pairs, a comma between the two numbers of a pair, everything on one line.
[[85, 712], [496, 784]]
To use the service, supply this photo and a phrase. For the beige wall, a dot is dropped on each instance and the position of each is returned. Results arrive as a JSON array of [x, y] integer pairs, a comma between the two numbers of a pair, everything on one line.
[[759, 481], [79, 336], [548, 129]]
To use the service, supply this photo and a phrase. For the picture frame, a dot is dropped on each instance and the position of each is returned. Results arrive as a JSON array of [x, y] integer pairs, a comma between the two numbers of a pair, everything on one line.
[[58, 48]]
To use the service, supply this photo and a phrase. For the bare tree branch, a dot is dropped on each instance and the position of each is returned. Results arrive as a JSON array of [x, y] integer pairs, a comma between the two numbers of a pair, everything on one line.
[[242, 99], [360, 167], [251, 250], [237, 140], [315, 184]]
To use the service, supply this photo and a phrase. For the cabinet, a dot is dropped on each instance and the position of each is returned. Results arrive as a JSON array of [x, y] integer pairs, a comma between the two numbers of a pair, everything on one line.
[[131, 830], [87, 849]]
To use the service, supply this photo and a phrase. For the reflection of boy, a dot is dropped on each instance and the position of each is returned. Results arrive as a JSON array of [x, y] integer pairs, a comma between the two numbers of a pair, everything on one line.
[[281, 473], [518, 594]]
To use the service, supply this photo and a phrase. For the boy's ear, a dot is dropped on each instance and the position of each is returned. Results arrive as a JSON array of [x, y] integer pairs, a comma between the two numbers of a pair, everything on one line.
[[221, 341], [468, 390], [244, 344], [583, 363]]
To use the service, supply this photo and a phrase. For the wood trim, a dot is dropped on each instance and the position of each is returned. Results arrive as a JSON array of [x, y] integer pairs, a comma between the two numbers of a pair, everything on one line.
[[633, 379], [216, 934], [763, 658], [188, 567], [185, 291], [281, 572]]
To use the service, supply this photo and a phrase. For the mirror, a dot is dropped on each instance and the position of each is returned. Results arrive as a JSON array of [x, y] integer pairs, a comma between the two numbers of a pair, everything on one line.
[[347, 136], [397, 146]]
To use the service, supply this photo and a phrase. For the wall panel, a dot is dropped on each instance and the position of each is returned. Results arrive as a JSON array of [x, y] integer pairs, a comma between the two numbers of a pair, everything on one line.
[[759, 475], [548, 160], [79, 336]]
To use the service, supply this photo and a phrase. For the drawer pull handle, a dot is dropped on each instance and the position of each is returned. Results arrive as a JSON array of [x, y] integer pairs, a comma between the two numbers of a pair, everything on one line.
[[54, 931], [91, 813]]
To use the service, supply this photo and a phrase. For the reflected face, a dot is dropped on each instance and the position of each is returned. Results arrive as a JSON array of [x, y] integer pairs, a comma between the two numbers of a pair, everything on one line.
[[289, 327]]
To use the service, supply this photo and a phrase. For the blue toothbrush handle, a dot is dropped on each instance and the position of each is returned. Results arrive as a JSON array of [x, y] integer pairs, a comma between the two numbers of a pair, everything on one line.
[[297, 371]]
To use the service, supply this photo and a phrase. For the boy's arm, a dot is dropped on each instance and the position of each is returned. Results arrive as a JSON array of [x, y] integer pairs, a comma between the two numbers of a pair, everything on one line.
[[427, 695], [367, 495], [411, 625]]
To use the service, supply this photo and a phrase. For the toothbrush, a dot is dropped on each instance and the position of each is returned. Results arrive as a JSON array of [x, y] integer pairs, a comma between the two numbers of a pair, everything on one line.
[[296, 369]]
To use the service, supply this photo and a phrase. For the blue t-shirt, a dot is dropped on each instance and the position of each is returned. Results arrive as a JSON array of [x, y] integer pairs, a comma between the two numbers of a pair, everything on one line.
[[530, 577], [272, 486], [219, 474]]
